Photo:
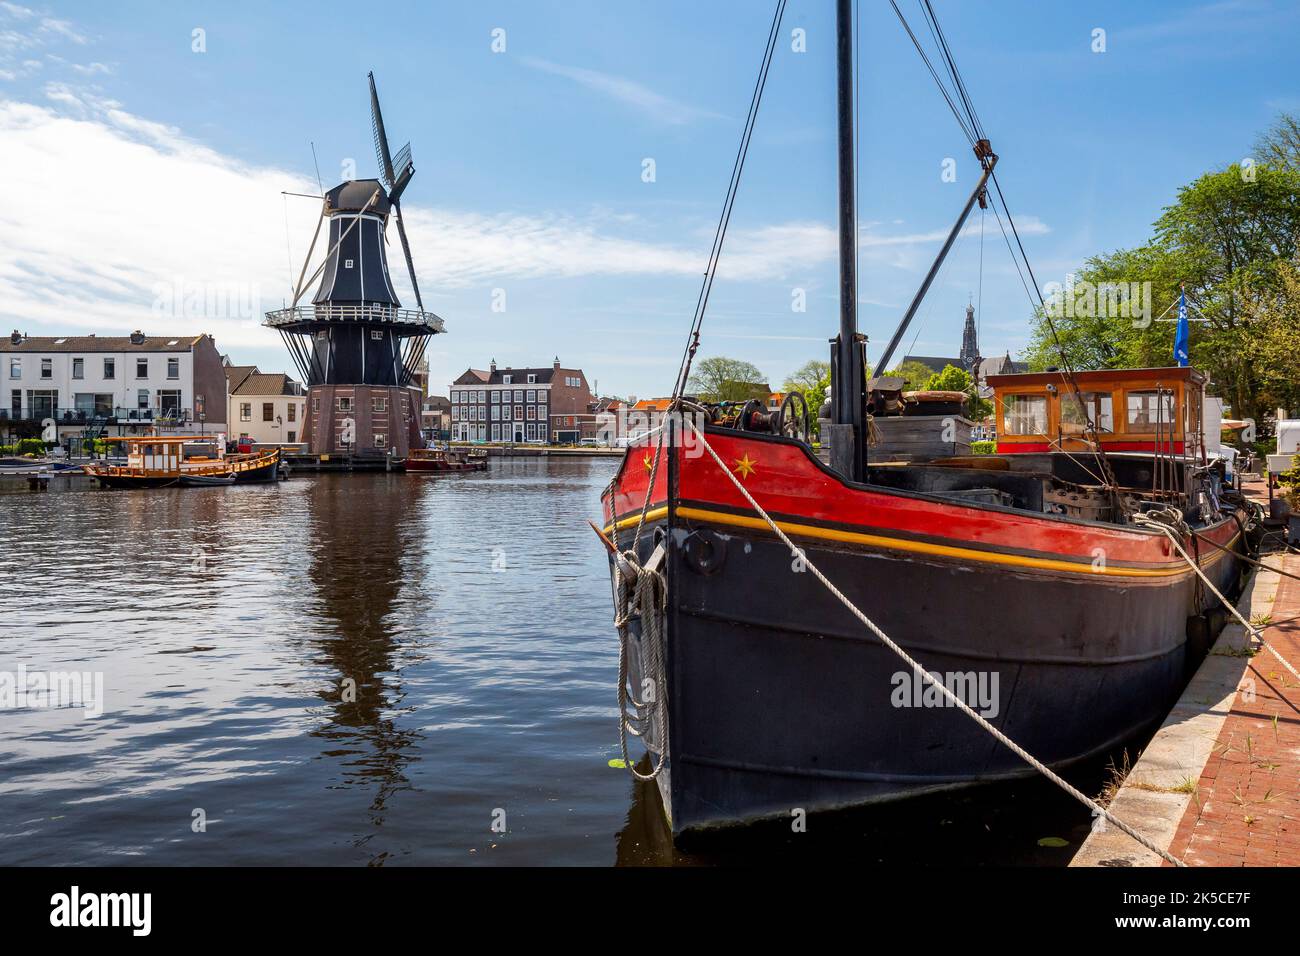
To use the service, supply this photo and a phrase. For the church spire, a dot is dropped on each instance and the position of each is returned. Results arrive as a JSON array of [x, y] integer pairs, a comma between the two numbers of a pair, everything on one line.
[[970, 347]]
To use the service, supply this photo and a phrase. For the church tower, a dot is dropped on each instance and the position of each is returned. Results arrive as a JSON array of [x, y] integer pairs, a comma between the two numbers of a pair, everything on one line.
[[970, 346]]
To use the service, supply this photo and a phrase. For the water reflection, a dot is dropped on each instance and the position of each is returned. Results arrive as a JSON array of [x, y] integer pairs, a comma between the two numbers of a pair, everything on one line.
[[359, 549]]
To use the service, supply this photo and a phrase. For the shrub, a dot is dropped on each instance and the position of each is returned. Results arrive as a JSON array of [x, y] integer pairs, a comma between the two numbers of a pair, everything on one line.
[[983, 447]]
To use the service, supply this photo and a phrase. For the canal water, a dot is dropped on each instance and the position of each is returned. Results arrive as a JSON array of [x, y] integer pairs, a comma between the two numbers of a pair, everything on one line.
[[372, 670]]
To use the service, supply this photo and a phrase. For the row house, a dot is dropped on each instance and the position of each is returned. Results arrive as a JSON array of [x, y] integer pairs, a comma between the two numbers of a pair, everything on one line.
[[549, 405], [131, 383], [265, 408]]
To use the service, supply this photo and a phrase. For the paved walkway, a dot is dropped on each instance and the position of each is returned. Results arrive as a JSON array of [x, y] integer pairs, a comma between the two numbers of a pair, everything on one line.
[[1245, 806]]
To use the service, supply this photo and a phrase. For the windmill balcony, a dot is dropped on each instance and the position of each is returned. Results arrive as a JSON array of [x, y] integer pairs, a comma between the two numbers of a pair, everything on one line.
[[410, 321]]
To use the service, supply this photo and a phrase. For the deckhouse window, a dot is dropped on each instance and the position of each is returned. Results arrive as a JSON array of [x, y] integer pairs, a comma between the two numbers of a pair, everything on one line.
[[1149, 410], [1098, 407], [1024, 415]]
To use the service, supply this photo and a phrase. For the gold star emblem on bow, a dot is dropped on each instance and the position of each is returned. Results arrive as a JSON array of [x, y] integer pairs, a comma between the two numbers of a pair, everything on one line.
[[649, 465], [744, 466]]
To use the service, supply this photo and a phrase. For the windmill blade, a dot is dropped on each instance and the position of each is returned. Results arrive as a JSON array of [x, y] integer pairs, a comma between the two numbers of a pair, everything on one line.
[[404, 167], [406, 250], [382, 154]]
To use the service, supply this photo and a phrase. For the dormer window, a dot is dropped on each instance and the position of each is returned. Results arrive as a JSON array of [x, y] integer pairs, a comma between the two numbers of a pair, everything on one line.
[[532, 379], [507, 379]]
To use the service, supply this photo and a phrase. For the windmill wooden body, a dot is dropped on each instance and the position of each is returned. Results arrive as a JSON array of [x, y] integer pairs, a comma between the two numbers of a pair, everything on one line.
[[355, 345]]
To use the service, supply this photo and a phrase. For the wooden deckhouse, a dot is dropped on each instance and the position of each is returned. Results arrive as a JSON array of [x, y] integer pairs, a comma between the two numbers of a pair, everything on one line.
[[1134, 410]]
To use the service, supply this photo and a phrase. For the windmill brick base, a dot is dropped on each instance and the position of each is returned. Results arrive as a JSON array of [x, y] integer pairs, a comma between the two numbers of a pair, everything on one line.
[[362, 420]]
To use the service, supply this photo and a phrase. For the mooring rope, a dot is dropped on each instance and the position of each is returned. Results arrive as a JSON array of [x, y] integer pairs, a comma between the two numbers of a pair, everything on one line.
[[1173, 519], [953, 699], [649, 596]]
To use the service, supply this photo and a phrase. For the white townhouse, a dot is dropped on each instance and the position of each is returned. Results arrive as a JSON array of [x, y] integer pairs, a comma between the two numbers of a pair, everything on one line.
[[265, 408], [121, 384]]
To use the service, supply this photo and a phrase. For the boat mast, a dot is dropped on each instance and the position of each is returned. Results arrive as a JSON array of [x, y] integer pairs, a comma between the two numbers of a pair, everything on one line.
[[848, 377]]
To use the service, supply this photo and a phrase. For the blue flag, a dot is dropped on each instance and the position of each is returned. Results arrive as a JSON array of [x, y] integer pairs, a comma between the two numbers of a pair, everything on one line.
[[1182, 339]]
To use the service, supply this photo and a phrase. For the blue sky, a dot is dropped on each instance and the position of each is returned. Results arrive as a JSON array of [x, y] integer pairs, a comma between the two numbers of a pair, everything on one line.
[[137, 167]]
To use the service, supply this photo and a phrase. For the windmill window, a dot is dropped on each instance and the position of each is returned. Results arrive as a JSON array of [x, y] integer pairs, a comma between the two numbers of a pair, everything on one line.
[[376, 335], [381, 440], [347, 263]]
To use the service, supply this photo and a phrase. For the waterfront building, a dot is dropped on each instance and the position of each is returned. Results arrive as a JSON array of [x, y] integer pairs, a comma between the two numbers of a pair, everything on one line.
[[551, 405], [267, 408], [100, 384]]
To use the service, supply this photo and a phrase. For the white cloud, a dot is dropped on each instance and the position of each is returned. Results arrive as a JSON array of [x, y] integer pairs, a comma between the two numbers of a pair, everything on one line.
[[106, 210], [16, 11], [659, 107]]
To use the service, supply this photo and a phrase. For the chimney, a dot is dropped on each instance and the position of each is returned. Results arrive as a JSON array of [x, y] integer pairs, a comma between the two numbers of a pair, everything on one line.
[[137, 337], [16, 338]]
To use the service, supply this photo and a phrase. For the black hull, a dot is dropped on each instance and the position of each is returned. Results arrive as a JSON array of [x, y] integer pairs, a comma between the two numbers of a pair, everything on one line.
[[766, 717], [130, 481], [265, 473]]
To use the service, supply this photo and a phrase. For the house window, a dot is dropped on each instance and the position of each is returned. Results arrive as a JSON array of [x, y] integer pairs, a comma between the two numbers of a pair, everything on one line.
[[245, 411], [507, 379], [519, 395], [532, 379], [519, 413], [381, 440], [78, 368], [496, 432], [15, 368], [343, 404], [532, 412], [496, 395], [292, 436], [268, 411], [173, 368], [169, 400], [293, 414], [496, 413], [532, 431], [532, 394], [110, 368], [455, 413], [376, 335], [142, 398], [47, 368], [142, 368]]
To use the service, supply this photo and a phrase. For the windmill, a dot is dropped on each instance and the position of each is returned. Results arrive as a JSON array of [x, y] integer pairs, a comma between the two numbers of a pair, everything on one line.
[[356, 347]]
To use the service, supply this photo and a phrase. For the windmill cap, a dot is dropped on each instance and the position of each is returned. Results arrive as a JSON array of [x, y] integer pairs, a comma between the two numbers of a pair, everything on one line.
[[353, 195]]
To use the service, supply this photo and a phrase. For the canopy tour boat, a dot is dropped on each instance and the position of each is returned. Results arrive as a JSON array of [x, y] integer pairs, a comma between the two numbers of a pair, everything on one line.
[[1044, 585], [438, 460], [162, 461]]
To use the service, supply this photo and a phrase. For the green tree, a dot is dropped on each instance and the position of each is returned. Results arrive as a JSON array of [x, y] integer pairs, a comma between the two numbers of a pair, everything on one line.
[[1279, 145], [954, 379], [1226, 238], [807, 376], [914, 374], [722, 379]]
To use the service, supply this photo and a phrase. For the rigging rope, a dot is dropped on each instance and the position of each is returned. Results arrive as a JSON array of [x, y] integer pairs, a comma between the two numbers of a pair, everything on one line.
[[949, 696]]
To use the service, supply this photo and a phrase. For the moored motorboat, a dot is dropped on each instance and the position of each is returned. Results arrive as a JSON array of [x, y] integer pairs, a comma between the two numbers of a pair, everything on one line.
[[426, 460], [160, 462]]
